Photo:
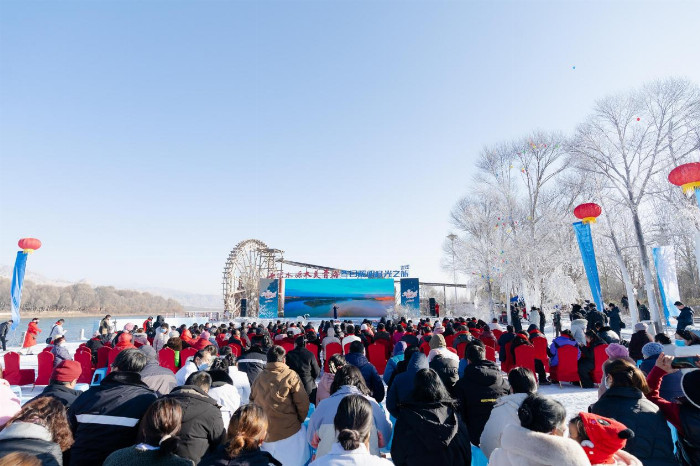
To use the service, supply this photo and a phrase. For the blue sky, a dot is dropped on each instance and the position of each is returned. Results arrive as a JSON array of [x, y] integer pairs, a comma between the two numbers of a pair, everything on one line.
[[140, 141]]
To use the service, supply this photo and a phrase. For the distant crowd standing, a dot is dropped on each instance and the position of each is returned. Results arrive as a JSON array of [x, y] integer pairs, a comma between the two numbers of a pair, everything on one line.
[[422, 392]]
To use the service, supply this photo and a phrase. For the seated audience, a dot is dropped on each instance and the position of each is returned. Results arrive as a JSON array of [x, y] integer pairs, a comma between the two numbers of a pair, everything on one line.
[[159, 379], [62, 383], [324, 386], [357, 358], [199, 362]]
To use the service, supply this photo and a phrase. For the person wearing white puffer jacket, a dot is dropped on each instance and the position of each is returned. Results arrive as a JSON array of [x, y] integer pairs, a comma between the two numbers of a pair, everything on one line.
[[522, 383]]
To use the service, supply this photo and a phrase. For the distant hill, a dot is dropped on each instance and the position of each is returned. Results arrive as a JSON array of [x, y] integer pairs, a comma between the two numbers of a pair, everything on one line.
[[186, 299]]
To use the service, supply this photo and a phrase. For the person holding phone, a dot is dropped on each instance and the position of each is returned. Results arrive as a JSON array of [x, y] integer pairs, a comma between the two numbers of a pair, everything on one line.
[[684, 415]]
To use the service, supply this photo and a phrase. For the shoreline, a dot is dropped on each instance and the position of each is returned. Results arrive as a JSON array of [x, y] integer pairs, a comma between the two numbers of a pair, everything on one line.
[[51, 315]]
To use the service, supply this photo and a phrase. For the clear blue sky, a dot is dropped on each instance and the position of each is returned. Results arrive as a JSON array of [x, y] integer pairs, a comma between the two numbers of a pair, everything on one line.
[[140, 141]]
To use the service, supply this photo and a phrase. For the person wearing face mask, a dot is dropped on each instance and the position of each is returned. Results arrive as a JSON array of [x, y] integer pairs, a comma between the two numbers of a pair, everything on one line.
[[161, 336], [199, 362], [539, 439]]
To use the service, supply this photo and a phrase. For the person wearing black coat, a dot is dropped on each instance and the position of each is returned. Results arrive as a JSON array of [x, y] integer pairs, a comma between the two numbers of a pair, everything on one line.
[[594, 316], [685, 318], [639, 338], [253, 361], [303, 362], [105, 418], [624, 401], [586, 363], [607, 334], [429, 429], [4, 328], [515, 318], [374, 382], [448, 371], [202, 426], [62, 391], [505, 338], [614, 320], [543, 319], [478, 390], [248, 458]]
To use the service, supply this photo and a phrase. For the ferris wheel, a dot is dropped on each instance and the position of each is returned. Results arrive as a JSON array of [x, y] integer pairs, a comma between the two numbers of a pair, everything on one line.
[[247, 263]]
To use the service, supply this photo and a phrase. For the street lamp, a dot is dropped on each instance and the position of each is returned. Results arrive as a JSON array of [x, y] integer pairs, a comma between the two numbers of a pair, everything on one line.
[[452, 237]]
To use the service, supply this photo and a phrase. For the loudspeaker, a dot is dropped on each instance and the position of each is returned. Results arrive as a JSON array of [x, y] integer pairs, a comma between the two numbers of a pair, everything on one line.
[[431, 305], [244, 307]]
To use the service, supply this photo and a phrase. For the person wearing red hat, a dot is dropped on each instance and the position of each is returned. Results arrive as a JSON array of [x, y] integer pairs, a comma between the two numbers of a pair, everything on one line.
[[62, 383], [603, 439]]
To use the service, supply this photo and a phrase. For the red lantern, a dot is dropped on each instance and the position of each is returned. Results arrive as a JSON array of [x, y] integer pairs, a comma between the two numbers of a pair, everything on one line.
[[588, 212], [686, 176], [29, 244]]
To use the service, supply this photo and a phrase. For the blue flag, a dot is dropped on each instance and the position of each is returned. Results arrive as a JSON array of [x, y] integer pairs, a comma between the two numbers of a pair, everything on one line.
[[585, 244], [16, 291]]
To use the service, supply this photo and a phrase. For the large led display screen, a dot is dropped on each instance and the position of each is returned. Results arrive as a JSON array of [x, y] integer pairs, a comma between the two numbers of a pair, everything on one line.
[[352, 298]]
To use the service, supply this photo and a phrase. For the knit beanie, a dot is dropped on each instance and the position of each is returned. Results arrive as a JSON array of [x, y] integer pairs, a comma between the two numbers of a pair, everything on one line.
[[606, 435], [652, 349], [640, 326], [67, 371], [206, 335], [690, 384], [129, 327], [616, 351], [437, 341]]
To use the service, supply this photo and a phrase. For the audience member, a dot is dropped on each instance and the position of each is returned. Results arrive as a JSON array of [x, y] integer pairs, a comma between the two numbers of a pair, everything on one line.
[[603, 439], [62, 383], [324, 386], [357, 358], [159, 379], [303, 362]]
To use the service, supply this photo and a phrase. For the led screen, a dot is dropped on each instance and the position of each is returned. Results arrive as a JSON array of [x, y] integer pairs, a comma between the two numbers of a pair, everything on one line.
[[352, 298]]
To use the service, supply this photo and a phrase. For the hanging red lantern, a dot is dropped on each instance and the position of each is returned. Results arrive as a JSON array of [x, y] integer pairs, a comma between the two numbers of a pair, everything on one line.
[[29, 244], [588, 212], [687, 176]]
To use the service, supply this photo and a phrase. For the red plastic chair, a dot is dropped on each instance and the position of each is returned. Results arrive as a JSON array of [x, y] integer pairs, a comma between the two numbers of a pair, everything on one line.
[[425, 348], [497, 333], [600, 357], [235, 349], [567, 370], [375, 354], [85, 360], [103, 357], [540, 344], [313, 347], [45, 368], [491, 354], [331, 349], [166, 358], [525, 357], [387, 347], [111, 356], [185, 354], [287, 346], [461, 348], [507, 365], [13, 374], [346, 348]]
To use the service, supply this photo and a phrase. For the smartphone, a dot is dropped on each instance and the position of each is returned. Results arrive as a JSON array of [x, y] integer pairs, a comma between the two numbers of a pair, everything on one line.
[[687, 362]]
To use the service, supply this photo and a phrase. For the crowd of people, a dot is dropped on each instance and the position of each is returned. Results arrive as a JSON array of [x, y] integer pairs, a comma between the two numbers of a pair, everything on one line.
[[254, 394]]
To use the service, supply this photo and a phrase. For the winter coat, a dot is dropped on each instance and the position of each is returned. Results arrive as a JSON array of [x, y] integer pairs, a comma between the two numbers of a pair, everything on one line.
[[369, 373], [482, 385], [252, 362], [503, 413], [358, 457], [30, 337], [159, 340], [534, 318], [321, 422], [26, 437], [447, 369], [685, 318], [324, 387], [202, 427], [637, 341], [248, 458], [4, 328], [608, 335], [489, 339], [105, 418], [410, 339], [105, 327], [557, 343], [670, 384], [241, 382], [524, 447], [159, 379], [652, 441], [615, 322], [401, 388], [303, 362], [62, 393], [132, 456], [502, 342], [578, 330], [228, 399], [188, 368], [594, 317], [279, 391], [391, 367], [60, 354], [430, 433], [10, 404]]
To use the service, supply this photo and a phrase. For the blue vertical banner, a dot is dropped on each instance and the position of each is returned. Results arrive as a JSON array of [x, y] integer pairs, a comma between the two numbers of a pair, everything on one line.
[[269, 298], [585, 244], [16, 291], [665, 263], [410, 295]]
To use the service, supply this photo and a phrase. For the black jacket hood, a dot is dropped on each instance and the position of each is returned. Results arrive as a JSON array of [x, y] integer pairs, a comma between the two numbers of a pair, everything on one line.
[[436, 423]]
